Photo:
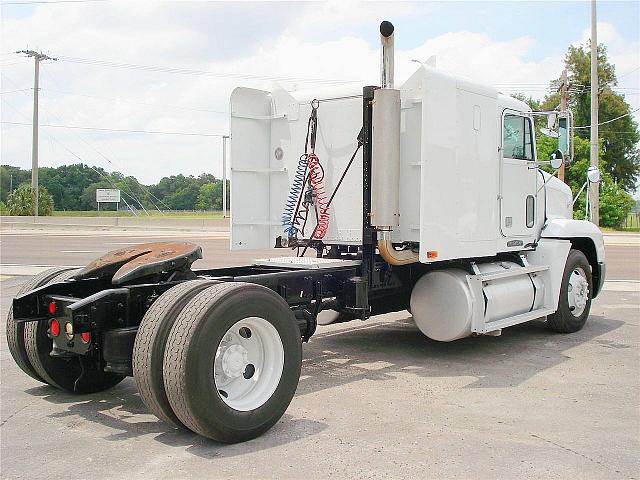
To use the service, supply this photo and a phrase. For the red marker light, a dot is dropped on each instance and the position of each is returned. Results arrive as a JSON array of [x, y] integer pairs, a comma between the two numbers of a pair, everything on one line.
[[52, 308], [54, 328], [85, 337]]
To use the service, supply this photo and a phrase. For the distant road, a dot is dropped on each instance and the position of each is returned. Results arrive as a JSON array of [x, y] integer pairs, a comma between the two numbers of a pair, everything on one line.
[[68, 248], [73, 249]]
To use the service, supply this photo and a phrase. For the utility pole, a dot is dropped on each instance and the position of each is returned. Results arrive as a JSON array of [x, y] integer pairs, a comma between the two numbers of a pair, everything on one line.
[[564, 90], [37, 57], [224, 176], [594, 187]]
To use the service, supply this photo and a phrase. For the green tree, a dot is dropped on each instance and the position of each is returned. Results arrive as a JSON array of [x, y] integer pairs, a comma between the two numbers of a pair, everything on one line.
[[10, 178], [206, 197], [619, 155], [615, 203], [20, 201]]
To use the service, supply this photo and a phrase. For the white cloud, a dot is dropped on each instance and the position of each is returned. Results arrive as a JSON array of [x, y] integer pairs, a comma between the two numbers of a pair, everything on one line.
[[625, 56]]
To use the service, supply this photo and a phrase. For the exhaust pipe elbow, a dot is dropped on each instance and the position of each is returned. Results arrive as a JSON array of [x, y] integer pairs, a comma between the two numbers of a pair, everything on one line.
[[393, 256]]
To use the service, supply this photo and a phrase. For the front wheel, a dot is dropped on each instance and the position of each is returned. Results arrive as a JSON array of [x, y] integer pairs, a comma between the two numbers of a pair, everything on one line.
[[232, 361], [575, 295]]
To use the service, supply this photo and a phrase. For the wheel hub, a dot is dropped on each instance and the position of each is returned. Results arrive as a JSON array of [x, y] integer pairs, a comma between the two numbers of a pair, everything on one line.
[[578, 292], [248, 364], [234, 360]]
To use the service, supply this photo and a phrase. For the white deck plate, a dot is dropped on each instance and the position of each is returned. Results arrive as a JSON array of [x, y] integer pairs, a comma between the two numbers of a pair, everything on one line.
[[305, 262]]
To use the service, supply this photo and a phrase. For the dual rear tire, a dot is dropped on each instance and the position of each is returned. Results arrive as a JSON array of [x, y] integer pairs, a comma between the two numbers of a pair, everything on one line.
[[221, 359], [30, 347]]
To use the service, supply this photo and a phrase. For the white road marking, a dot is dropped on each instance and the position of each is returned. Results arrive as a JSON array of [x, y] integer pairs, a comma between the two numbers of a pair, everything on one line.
[[121, 244], [622, 305], [214, 235], [621, 286], [79, 251], [28, 270]]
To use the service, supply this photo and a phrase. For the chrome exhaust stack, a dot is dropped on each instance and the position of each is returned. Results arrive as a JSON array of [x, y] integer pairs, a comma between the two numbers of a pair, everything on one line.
[[385, 155], [386, 54]]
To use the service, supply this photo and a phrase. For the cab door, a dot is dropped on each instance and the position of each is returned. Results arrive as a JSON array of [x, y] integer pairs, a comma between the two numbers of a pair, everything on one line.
[[518, 202]]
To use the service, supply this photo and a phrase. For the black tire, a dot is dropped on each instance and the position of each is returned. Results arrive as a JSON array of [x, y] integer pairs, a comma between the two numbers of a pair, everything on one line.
[[148, 350], [15, 331], [564, 320], [59, 372], [190, 353]]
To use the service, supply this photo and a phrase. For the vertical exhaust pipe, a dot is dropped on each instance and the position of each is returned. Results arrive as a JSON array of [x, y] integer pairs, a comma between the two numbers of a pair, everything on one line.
[[385, 147], [385, 155], [386, 54]]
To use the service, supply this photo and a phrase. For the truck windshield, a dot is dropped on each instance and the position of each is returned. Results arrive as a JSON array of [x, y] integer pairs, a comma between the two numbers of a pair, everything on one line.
[[517, 138]]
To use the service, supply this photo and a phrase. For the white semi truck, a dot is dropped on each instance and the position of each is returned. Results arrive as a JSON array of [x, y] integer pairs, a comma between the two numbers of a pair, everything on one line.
[[427, 198]]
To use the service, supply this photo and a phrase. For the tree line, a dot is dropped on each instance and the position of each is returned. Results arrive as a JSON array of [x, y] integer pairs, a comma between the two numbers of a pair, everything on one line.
[[73, 187]]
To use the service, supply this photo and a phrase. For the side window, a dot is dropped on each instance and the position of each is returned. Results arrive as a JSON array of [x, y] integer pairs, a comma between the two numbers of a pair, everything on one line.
[[517, 138]]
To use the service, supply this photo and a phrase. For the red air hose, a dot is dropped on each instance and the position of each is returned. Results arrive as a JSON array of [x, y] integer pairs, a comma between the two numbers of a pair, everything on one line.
[[316, 175]]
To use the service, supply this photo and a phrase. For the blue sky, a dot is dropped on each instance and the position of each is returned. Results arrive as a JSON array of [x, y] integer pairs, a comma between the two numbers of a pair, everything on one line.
[[507, 44]]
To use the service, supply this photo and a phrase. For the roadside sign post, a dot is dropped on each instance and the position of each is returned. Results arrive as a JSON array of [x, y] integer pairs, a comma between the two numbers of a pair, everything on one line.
[[108, 195]]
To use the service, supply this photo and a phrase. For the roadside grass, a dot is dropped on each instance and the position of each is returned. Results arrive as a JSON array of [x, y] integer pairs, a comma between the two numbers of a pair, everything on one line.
[[620, 230], [140, 214]]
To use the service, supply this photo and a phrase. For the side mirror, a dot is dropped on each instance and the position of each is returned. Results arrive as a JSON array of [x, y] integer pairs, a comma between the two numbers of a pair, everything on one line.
[[556, 159], [563, 135], [593, 174], [551, 130]]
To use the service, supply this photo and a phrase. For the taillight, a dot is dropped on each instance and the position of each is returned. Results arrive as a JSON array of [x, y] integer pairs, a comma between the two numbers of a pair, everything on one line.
[[52, 308], [85, 337], [54, 328]]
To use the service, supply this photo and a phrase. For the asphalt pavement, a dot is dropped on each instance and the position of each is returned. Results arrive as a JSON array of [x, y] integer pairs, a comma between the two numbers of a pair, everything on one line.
[[376, 399]]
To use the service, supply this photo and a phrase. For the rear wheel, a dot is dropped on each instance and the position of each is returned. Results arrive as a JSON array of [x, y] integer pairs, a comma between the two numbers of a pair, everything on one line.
[[15, 330], [72, 374], [232, 361], [148, 350], [575, 295]]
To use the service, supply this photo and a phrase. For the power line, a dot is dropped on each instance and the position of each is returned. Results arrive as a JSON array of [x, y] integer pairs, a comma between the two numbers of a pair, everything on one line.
[[134, 102], [629, 72], [131, 194], [15, 91], [52, 138], [612, 120], [123, 130], [187, 71], [142, 187], [44, 2]]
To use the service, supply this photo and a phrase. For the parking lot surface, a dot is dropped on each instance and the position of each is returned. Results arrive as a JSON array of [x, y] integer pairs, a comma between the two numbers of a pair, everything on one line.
[[376, 399]]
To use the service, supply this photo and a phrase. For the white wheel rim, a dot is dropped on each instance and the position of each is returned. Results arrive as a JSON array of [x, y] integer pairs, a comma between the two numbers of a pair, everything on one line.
[[248, 364], [578, 292]]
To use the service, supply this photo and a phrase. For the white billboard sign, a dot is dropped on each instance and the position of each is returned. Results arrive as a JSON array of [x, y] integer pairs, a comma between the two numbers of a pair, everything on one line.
[[107, 195]]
